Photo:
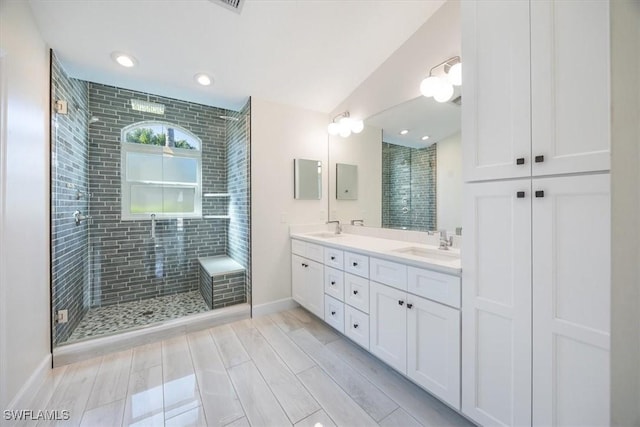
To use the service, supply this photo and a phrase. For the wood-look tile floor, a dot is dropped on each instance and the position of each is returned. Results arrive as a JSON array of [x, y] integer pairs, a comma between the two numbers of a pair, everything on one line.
[[285, 369]]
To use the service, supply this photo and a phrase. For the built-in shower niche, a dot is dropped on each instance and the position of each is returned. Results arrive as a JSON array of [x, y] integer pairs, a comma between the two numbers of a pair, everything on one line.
[[118, 269]]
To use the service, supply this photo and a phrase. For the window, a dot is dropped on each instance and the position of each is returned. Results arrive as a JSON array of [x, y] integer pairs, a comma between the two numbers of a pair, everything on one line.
[[161, 172]]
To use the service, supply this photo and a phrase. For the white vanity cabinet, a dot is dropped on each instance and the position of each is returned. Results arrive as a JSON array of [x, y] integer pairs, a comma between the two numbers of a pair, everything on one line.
[[307, 276], [418, 337]]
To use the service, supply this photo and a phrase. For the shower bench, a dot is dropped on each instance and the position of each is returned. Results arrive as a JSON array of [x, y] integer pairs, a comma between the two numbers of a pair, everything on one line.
[[222, 281]]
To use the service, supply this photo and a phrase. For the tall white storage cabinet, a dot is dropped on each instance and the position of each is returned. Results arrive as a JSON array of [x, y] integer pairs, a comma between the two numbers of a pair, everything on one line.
[[536, 252]]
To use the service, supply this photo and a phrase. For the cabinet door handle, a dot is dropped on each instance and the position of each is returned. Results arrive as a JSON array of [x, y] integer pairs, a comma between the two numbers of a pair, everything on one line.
[[333, 283], [355, 264], [304, 265], [520, 194], [400, 302], [333, 313], [355, 326], [539, 159], [520, 161], [355, 292], [409, 305], [539, 193], [333, 258]]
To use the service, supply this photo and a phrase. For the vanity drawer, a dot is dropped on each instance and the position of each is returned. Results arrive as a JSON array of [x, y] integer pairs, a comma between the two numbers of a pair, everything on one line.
[[307, 250], [356, 292], [356, 264], [439, 287], [334, 258], [334, 283], [315, 252], [388, 273], [334, 313], [356, 326]]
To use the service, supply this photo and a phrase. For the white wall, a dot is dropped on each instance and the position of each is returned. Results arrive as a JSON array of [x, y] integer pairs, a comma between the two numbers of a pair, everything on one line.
[[398, 79], [365, 151], [449, 183], [24, 200], [279, 134], [625, 215]]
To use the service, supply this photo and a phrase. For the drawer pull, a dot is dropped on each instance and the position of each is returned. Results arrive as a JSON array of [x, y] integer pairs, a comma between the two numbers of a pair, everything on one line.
[[520, 194], [539, 193], [333, 283], [400, 302], [333, 313], [355, 292], [333, 258], [409, 305], [355, 264], [305, 265], [520, 161], [355, 326], [539, 159]]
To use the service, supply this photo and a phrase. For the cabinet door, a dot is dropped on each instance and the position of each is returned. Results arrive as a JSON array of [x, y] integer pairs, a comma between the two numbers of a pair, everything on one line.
[[571, 300], [433, 348], [496, 118], [388, 325], [496, 303], [570, 86], [315, 288], [298, 288]]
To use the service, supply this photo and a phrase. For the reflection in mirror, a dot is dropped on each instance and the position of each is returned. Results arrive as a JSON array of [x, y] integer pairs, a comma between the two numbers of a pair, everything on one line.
[[346, 181], [418, 172], [307, 183]]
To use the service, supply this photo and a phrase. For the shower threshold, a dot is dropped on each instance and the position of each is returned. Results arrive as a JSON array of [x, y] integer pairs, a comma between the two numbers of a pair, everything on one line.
[[115, 318]]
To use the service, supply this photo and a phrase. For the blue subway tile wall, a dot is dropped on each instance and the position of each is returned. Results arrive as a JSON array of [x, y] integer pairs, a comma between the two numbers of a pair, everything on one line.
[[409, 187], [69, 184]]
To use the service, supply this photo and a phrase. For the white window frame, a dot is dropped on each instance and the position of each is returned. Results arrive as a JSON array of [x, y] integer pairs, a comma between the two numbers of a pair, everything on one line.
[[126, 184]]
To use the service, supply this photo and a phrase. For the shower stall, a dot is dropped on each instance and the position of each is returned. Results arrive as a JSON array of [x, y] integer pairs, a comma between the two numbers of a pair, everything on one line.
[[149, 208]]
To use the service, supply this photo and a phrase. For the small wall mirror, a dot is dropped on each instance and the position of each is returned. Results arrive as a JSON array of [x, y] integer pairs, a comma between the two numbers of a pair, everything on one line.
[[346, 182], [307, 182]]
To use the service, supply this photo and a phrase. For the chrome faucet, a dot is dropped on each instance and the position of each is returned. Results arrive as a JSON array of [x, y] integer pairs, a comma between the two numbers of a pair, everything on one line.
[[444, 242], [358, 221], [338, 226]]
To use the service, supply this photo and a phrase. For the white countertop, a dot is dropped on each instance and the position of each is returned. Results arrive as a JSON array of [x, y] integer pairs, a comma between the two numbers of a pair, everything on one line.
[[431, 258]]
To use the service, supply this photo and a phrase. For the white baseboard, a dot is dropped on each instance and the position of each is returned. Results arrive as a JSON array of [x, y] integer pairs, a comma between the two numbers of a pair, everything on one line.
[[273, 307], [25, 395]]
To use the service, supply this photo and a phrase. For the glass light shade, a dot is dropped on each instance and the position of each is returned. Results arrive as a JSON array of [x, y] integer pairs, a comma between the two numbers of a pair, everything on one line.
[[444, 92], [345, 132], [345, 127], [357, 126], [455, 74], [333, 128], [429, 86]]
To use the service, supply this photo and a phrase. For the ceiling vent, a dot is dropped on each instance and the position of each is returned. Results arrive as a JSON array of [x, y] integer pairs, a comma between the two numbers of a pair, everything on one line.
[[457, 101], [235, 5]]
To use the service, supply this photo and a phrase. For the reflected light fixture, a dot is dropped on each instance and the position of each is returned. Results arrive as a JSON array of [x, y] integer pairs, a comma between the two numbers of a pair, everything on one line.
[[441, 87], [424, 138], [202, 79], [404, 131], [344, 125], [124, 59]]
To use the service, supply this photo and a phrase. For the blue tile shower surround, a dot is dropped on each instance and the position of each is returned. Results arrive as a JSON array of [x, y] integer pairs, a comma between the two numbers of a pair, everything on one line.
[[69, 184], [409, 187], [127, 264]]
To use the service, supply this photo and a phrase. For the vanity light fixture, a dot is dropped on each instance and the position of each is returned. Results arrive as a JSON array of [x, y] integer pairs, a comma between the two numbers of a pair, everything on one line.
[[441, 87], [203, 79], [404, 131], [344, 125], [124, 59]]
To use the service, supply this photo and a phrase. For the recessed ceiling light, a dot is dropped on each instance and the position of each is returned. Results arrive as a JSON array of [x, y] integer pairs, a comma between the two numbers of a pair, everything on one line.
[[124, 59], [203, 79], [404, 132], [424, 138]]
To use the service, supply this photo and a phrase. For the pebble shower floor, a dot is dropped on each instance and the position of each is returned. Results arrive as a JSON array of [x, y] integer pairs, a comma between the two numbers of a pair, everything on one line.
[[117, 318]]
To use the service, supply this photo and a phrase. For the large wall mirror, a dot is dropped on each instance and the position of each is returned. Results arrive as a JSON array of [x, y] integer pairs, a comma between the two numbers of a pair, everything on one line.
[[408, 180]]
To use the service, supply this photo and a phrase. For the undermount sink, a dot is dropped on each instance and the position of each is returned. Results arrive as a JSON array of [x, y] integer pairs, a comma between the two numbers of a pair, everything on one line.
[[435, 254], [324, 235]]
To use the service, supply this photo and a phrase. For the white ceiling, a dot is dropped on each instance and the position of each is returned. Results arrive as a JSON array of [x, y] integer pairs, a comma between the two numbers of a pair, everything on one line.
[[420, 116], [306, 53]]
